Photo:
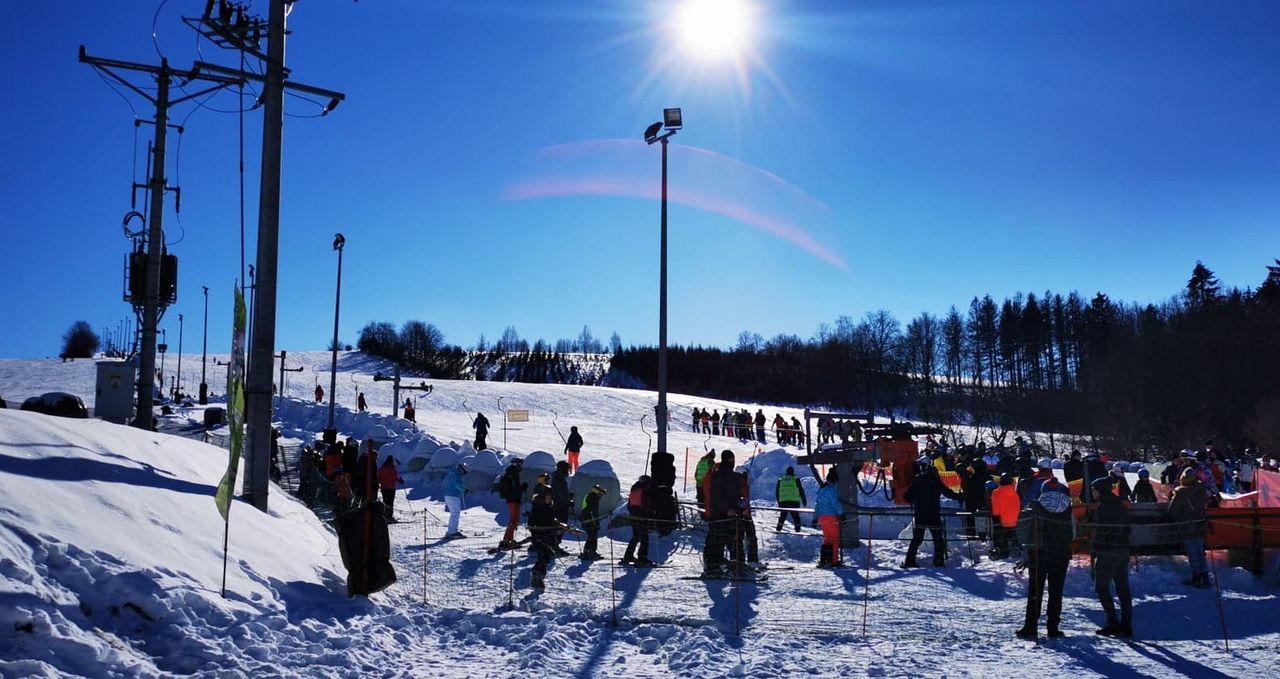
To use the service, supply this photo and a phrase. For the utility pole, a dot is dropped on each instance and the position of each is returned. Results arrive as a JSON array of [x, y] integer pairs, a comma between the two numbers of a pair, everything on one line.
[[231, 28], [153, 305]]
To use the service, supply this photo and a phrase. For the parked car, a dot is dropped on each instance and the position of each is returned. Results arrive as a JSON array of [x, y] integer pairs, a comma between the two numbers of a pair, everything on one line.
[[57, 403]]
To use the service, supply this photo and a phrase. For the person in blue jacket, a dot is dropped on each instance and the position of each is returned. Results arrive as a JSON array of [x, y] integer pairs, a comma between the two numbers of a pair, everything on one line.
[[454, 489], [827, 506]]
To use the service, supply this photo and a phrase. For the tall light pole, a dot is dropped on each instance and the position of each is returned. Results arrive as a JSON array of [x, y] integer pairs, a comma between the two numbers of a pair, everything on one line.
[[330, 432], [672, 121], [204, 352], [178, 392]]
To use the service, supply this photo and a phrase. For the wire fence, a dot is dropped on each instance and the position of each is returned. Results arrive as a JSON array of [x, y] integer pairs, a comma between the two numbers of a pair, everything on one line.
[[470, 575]]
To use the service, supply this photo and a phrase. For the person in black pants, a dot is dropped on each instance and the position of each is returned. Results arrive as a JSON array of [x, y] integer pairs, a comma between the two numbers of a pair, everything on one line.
[[925, 495], [1048, 541], [638, 510], [789, 493], [544, 529], [1110, 544]]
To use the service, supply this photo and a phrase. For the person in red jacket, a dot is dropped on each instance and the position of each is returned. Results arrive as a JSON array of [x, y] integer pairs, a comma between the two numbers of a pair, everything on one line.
[[1005, 507], [388, 477]]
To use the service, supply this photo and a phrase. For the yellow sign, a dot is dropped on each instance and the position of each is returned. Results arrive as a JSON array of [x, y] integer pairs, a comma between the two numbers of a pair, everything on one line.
[[517, 415]]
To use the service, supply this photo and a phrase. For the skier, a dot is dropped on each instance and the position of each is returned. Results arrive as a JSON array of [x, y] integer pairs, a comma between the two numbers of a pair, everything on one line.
[[704, 467], [723, 491], [1048, 539], [543, 530], [827, 506], [454, 489], [572, 447], [409, 412], [481, 425], [1187, 507], [511, 489], [1142, 490], [319, 394], [925, 496], [1004, 515], [638, 510], [361, 404], [591, 520], [1110, 552], [388, 477], [789, 493], [562, 499]]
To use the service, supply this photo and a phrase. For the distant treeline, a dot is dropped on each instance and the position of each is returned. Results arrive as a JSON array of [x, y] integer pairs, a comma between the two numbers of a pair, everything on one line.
[[1205, 364], [420, 347]]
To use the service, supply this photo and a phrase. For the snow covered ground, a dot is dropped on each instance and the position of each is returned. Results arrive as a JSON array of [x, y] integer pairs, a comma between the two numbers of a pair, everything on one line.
[[111, 565]]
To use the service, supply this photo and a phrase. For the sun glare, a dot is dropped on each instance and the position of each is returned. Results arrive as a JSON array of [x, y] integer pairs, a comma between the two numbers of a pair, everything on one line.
[[714, 29]]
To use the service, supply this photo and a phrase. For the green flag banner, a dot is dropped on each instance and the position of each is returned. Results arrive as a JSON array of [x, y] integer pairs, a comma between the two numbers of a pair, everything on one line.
[[235, 408]]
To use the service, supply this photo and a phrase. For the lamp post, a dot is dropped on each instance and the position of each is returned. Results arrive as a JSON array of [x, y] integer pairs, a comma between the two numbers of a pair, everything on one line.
[[330, 432], [672, 121], [204, 352], [178, 392]]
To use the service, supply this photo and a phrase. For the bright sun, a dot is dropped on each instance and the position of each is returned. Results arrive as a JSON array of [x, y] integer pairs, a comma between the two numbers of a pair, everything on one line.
[[714, 28]]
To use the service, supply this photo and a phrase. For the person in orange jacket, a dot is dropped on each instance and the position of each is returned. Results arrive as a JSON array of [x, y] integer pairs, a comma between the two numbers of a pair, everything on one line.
[[388, 477], [1005, 506]]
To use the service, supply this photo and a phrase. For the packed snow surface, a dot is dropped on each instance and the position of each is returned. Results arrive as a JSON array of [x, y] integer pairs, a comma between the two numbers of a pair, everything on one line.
[[111, 563]]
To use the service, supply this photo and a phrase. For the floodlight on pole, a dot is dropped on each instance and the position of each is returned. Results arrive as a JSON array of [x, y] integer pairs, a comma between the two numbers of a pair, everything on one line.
[[672, 120]]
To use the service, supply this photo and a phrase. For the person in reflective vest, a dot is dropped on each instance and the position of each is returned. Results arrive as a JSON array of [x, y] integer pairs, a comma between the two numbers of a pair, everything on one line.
[[700, 472], [789, 494]]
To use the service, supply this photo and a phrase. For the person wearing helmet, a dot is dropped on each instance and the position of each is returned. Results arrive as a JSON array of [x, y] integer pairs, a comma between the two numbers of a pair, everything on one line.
[[1094, 469], [1143, 491], [1120, 484], [1109, 548], [511, 489], [1187, 505], [638, 510], [1046, 531], [543, 532], [925, 496], [454, 490], [591, 519]]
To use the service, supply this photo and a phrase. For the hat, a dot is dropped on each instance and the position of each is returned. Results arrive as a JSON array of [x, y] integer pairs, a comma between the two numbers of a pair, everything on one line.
[[1006, 479], [1143, 473], [791, 471], [543, 475], [562, 465], [1102, 484], [1117, 471], [519, 461], [726, 455], [1044, 463]]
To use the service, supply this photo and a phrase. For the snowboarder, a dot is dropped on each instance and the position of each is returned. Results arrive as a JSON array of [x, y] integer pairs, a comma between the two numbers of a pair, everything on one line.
[[562, 499], [543, 530], [925, 495], [638, 510], [319, 394], [361, 404], [1046, 531], [572, 447], [388, 477], [511, 489], [411, 414], [789, 493], [454, 489], [591, 519], [1187, 507], [481, 425], [1110, 552], [827, 507]]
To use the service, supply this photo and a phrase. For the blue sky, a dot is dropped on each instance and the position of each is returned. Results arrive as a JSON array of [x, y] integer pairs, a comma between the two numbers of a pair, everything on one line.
[[487, 168]]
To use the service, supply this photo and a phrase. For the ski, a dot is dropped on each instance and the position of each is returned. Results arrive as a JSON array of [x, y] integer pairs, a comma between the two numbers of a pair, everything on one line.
[[646, 568], [727, 578], [517, 545]]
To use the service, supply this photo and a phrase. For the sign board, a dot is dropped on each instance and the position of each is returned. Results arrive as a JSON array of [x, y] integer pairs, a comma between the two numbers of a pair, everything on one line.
[[514, 415]]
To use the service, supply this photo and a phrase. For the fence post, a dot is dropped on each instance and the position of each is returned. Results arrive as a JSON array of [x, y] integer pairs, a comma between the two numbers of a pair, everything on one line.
[[866, 585], [424, 554], [613, 579]]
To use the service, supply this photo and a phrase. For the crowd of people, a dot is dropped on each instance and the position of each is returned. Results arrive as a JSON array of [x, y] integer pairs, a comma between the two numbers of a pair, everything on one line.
[[744, 426], [347, 475]]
